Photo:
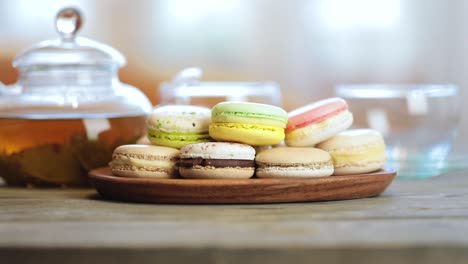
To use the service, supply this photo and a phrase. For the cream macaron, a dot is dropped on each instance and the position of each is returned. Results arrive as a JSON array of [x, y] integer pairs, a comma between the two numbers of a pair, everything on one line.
[[356, 151], [293, 162], [144, 161]]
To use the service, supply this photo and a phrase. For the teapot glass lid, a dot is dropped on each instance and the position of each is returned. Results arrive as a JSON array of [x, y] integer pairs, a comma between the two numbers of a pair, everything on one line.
[[68, 49]]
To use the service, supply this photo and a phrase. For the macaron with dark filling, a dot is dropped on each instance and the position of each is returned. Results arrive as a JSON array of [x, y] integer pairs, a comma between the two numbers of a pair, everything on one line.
[[217, 160]]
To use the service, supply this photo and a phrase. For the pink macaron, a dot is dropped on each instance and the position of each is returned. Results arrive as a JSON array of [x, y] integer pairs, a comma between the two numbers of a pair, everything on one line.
[[316, 122]]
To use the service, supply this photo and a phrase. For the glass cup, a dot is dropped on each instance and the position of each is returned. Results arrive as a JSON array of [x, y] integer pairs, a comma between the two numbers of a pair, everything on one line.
[[419, 122]]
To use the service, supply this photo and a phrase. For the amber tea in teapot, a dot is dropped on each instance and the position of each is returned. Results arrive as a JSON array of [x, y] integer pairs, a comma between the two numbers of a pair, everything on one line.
[[68, 110], [61, 151]]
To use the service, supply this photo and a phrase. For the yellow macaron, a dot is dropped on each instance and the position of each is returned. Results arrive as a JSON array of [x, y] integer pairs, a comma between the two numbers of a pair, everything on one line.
[[249, 123], [356, 151]]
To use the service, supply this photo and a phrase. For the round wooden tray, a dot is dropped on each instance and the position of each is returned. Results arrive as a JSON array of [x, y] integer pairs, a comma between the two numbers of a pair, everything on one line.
[[227, 191]]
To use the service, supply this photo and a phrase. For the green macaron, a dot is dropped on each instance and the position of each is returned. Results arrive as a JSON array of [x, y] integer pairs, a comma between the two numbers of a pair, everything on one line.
[[179, 125]]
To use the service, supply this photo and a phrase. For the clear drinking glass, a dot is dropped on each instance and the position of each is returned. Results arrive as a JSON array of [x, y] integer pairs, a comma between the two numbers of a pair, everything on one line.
[[419, 122]]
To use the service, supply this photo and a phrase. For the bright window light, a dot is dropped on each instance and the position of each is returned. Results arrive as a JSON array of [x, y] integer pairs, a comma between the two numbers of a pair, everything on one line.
[[190, 11], [348, 14], [44, 9], [34, 18]]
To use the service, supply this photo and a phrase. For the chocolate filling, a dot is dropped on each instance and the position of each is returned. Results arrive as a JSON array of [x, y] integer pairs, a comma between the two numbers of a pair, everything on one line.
[[217, 163]]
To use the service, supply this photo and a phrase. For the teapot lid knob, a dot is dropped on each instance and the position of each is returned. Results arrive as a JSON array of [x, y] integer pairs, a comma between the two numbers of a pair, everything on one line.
[[68, 22]]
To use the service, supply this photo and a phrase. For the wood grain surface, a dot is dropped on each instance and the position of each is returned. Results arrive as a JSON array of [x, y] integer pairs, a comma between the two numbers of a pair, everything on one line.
[[229, 191], [412, 222]]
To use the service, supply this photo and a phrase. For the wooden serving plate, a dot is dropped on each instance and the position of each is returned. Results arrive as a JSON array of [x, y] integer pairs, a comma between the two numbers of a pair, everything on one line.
[[229, 191]]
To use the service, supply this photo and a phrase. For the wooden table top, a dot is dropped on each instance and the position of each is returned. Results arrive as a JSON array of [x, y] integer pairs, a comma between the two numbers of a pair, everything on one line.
[[422, 221]]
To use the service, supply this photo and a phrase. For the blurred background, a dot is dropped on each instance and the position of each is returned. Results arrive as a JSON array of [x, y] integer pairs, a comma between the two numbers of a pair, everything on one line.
[[307, 47]]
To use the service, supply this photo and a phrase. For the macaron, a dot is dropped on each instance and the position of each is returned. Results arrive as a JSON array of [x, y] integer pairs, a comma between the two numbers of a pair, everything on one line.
[[356, 151], [317, 122], [144, 161], [178, 125], [217, 160], [249, 123], [293, 162], [143, 140]]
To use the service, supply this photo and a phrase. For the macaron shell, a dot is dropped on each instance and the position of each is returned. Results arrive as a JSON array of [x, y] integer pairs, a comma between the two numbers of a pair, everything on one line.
[[359, 168], [180, 118], [216, 173], [218, 150], [293, 162], [311, 135], [296, 172], [144, 174], [356, 151], [315, 113], [143, 140], [144, 161], [249, 113], [356, 155], [148, 150], [353, 138], [252, 134], [292, 156]]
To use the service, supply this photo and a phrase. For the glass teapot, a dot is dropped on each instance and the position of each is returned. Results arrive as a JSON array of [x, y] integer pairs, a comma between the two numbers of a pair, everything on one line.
[[68, 110]]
